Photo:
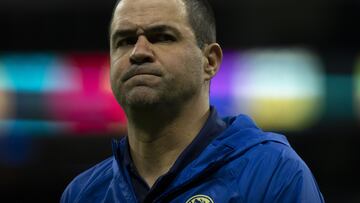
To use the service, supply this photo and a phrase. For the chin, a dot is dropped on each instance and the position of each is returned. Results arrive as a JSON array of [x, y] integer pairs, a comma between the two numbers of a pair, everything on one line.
[[142, 100]]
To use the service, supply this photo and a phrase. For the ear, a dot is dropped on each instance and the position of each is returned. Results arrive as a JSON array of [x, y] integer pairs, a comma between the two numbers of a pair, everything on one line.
[[213, 57]]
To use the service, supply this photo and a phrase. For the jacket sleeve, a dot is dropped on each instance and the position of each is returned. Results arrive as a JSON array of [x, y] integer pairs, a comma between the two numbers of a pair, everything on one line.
[[72, 190], [77, 185], [93, 181], [292, 181], [65, 197]]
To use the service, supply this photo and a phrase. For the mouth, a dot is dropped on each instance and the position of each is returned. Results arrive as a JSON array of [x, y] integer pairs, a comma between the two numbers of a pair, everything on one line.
[[135, 71]]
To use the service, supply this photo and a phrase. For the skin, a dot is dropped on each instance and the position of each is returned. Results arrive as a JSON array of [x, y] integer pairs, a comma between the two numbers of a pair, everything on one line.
[[161, 79]]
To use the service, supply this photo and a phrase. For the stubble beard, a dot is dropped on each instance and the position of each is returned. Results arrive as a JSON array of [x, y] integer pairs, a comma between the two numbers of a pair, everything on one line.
[[157, 99]]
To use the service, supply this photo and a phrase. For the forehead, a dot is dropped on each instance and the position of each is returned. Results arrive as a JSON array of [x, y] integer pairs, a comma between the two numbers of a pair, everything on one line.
[[142, 13]]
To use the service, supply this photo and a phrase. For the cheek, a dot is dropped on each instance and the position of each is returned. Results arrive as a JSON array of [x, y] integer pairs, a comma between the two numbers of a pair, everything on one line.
[[184, 59], [186, 72], [116, 70], [192, 64]]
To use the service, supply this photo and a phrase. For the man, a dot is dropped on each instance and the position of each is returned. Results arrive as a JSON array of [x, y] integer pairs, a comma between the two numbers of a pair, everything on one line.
[[163, 56]]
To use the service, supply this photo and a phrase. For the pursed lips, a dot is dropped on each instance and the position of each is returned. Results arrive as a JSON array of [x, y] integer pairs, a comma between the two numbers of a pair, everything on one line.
[[140, 71]]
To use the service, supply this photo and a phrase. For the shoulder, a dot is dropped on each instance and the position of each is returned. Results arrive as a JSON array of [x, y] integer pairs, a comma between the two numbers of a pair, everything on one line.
[[258, 146], [274, 151], [92, 178], [264, 165], [280, 173]]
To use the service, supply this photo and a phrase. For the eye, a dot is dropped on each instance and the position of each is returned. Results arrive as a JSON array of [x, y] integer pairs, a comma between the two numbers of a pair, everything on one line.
[[126, 41], [161, 37]]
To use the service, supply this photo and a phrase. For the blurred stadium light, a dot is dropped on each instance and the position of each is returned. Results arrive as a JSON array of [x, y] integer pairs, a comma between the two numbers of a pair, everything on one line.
[[72, 92], [50, 92], [57, 93], [282, 89], [357, 87]]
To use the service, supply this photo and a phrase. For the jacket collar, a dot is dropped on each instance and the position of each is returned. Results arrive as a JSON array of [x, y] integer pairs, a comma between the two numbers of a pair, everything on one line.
[[240, 135]]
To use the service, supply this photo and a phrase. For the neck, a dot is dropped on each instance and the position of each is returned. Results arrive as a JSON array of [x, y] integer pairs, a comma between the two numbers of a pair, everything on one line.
[[157, 137]]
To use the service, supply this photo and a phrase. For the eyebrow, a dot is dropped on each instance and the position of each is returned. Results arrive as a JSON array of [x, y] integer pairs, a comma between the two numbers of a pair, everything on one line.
[[150, 30]]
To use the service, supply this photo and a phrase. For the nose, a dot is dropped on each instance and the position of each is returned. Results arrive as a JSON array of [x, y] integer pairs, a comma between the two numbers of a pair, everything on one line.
[[142, 52]]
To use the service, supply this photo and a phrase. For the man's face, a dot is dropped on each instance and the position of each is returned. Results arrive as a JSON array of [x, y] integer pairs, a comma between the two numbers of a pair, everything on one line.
[[154, 55]]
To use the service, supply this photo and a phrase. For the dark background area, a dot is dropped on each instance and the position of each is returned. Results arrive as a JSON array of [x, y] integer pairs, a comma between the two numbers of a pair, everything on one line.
[[330, 28]]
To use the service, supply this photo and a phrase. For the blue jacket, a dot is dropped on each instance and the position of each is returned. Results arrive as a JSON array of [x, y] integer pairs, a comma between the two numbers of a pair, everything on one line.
[[242, 164]]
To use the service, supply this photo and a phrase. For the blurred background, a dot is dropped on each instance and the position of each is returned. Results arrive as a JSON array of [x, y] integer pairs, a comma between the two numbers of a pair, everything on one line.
[[294, 66]]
